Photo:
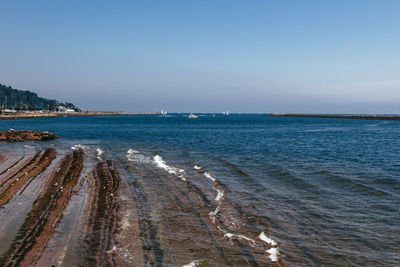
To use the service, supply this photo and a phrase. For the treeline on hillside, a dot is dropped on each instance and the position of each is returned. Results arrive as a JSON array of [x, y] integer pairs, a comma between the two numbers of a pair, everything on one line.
[[11, 98]]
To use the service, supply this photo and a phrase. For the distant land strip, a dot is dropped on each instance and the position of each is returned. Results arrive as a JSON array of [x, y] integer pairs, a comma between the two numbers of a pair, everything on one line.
[[326, 116], [20, 116]]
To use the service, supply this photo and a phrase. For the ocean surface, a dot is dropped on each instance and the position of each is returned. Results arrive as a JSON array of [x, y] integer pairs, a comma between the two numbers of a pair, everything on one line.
[[326, 191]]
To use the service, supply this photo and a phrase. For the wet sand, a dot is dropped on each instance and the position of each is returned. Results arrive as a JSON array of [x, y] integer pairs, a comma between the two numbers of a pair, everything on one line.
[[75, 208]]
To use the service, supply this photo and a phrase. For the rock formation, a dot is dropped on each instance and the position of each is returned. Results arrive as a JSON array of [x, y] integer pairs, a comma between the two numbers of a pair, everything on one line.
[[20, 136]]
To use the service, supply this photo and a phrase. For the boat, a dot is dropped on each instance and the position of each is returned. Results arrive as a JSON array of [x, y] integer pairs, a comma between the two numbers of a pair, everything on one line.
[[192, 116], [226, 112], [163, 112], [9, 111]]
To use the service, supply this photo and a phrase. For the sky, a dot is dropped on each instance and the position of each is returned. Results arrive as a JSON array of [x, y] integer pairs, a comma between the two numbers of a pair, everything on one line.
[[206, 56]]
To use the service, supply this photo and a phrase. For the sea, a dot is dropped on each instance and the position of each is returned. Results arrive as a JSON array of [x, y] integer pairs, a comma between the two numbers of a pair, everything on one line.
[[320, 192]]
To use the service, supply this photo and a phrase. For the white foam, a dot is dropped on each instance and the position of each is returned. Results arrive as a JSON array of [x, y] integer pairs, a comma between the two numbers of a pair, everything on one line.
[[266, 239], [209, 176], [197, 167], [274, 250], [273, 254], [192, 264], [213, 214], [158, 160], [240, 237], [79, 146], [220, 195], [100, 152], [136, 156], [132, 151]]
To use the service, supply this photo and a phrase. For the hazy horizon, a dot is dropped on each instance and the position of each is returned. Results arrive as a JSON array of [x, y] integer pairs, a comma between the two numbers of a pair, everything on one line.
[[187, 56]]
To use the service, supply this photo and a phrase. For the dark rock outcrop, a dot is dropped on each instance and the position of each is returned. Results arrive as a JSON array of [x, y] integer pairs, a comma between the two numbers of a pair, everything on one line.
[[20, 136]]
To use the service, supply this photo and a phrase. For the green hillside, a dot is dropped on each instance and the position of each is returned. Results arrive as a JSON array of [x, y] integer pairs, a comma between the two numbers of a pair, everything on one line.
[[11, 98]]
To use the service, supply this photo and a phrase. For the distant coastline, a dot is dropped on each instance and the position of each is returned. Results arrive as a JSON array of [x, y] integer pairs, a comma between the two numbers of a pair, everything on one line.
[[21, 116], [333, 116]]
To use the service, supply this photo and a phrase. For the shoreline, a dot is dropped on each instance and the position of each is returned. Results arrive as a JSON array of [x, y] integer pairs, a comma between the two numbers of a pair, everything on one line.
[[327, 116], [81, 200], [65, 182], [22, 116]]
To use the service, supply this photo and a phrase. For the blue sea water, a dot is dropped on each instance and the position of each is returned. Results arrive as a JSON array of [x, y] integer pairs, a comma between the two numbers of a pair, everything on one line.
[[329, 188]]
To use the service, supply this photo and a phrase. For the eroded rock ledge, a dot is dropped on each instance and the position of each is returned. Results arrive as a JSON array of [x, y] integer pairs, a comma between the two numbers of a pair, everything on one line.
[[20, 136]]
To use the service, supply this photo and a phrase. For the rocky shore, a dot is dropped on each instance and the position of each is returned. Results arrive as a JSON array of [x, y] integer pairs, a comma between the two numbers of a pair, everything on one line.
[[21, 116], [58, 184], [20, 136], [77, 208]]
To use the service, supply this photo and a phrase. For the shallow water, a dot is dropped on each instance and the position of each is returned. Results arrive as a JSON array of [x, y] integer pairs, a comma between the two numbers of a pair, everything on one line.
[[327, 191]]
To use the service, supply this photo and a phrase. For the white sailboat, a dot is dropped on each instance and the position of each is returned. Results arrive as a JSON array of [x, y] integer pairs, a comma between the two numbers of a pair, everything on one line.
[[163, 113], [192, 116]]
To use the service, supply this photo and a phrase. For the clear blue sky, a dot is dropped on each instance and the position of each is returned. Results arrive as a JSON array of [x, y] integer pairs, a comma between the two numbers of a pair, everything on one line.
[[193, 56]]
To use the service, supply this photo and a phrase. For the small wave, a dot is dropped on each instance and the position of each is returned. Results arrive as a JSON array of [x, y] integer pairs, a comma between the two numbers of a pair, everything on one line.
[[220, 195], [136, 156], [266, 239], [209, 176], [273, 254], [28, 146], [100, 152], [160, 163], [239, 237], [274, 250], [218, 198], [193, 263], [79, 146], [213, 214], [132, 151], [327, 129]]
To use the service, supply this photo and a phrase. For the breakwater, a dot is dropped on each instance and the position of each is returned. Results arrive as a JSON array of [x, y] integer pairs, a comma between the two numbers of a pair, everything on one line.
[[333, 116]]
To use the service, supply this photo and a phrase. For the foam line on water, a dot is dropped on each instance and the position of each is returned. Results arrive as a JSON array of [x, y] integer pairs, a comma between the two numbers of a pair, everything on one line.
[[213, 214], [160, 163], [100, 152], [209, 176], [267, 239], [136, 156], [28, 146], [218, 199], [79, 146], [273, 254], [220, 195], [274, 250], [132, 151], [240, 237], [193, 263]]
